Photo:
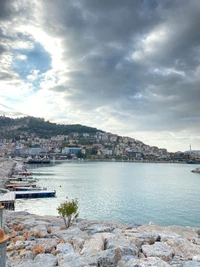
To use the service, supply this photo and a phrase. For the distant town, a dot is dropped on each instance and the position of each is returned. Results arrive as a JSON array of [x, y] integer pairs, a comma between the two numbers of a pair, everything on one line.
[[90, 145]]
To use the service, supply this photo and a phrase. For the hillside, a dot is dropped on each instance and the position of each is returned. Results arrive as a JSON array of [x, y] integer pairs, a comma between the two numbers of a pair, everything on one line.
[[12, 128], [35, 132]]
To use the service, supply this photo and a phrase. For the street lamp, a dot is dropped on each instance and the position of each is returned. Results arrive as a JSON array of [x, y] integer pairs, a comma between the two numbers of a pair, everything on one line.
[[1, 216]]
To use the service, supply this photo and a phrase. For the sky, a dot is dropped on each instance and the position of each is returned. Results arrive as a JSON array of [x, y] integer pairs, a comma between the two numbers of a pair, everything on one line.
[[128, 67]]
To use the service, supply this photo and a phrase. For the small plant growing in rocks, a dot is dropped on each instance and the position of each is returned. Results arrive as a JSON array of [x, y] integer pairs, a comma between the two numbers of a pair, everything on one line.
[[69, 211]]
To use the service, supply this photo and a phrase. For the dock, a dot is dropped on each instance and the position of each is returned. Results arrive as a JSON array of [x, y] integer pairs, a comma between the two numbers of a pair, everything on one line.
[[35, 194], [8, 200]]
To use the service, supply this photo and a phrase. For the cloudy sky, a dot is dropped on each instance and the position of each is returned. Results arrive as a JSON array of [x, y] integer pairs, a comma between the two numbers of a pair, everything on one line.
[[129, 67]]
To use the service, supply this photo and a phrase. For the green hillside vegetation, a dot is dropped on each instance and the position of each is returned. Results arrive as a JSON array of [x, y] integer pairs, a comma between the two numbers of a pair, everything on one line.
[[12, 128]]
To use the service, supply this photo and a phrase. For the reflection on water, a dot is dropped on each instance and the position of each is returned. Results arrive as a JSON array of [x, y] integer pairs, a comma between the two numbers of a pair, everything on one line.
[[125, 192]]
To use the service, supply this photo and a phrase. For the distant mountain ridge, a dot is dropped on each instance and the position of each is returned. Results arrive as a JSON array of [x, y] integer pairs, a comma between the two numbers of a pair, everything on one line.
[[11, 128]]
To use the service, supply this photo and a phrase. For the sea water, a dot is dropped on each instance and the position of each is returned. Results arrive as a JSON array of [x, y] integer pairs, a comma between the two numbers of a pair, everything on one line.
[[125, 192]]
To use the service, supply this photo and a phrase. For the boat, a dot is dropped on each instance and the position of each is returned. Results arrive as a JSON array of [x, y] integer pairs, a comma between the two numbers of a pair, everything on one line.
[[20, 182], [23, 179], [22, 172], [193, 161], [35, 194], [25, 188], [13, 185], [37, 160]]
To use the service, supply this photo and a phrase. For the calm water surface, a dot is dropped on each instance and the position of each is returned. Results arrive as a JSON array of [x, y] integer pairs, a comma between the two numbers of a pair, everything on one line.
[[165, 194]]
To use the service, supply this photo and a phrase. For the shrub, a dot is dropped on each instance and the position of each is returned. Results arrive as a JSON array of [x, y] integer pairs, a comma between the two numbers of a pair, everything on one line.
[[69, 211]]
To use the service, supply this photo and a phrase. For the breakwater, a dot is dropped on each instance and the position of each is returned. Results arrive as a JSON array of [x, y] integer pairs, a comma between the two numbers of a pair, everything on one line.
[[6, 169], [43, 241]]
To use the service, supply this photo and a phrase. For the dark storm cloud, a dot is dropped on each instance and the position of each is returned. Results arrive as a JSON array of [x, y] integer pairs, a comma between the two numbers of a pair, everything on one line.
[[5, 10], [140, 59], [2, 49], [101, 41]]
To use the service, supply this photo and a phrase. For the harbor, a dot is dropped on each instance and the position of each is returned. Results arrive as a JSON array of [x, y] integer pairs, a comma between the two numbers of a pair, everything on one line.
[[17, 183]]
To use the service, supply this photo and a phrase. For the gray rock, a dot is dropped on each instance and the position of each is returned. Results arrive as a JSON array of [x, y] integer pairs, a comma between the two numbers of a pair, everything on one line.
[[48, 259], [98, 229], [71, 233], [113, 256], [30, 256], [65, 248], [70, 259], [185, 232], [94, 244], [158, 249], [151, 261], [48, 244], [196, 258], [32, 222], [28, 245], [191, 264]]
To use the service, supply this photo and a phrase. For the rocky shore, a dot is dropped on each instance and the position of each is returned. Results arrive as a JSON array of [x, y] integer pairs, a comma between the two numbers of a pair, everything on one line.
[[37, 241]]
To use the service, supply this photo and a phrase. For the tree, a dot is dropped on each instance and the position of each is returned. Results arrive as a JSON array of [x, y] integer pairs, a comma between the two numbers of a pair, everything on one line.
[[80, 155], [69, 211]]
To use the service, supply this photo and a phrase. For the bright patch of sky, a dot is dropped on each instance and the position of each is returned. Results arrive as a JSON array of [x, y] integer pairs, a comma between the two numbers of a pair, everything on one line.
[[27, 62]]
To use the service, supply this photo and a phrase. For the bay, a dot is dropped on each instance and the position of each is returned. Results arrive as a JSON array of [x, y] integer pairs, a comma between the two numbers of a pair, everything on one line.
[[126, 192]]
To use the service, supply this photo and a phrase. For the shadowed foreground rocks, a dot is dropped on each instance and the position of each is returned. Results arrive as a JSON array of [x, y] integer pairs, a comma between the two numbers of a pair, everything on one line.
[[37, 241]]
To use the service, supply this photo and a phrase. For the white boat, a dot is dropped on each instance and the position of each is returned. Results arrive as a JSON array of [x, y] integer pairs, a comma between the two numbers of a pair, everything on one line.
[[20, 182], [37, 160], [23, 179], [25, 188]]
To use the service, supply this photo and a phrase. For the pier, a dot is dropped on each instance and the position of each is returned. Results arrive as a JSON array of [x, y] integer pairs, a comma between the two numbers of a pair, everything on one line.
[[35, 194], [13, 185], [8, 200]]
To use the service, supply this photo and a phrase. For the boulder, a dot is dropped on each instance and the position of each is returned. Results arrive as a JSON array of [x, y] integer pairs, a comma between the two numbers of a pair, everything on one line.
[[191, 264], [159, 250], [65, 248], [151, 261], [185, 232]]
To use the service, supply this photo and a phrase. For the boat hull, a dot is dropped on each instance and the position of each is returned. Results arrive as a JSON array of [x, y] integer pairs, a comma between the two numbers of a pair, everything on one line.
[[35, 194], [37, 161]]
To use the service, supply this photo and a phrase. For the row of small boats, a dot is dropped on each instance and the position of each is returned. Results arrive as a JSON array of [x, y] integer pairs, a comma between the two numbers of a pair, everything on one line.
[[24, 185], [21, 177]]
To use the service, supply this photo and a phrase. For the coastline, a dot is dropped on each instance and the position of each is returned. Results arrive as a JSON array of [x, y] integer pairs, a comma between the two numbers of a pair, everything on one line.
[[42, 240]]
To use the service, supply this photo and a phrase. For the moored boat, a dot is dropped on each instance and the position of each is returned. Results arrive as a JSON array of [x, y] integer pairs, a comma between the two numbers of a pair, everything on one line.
[[193, 161], [37, 160], [25, 188], [13, 185], [21, 179], [35, 194]]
